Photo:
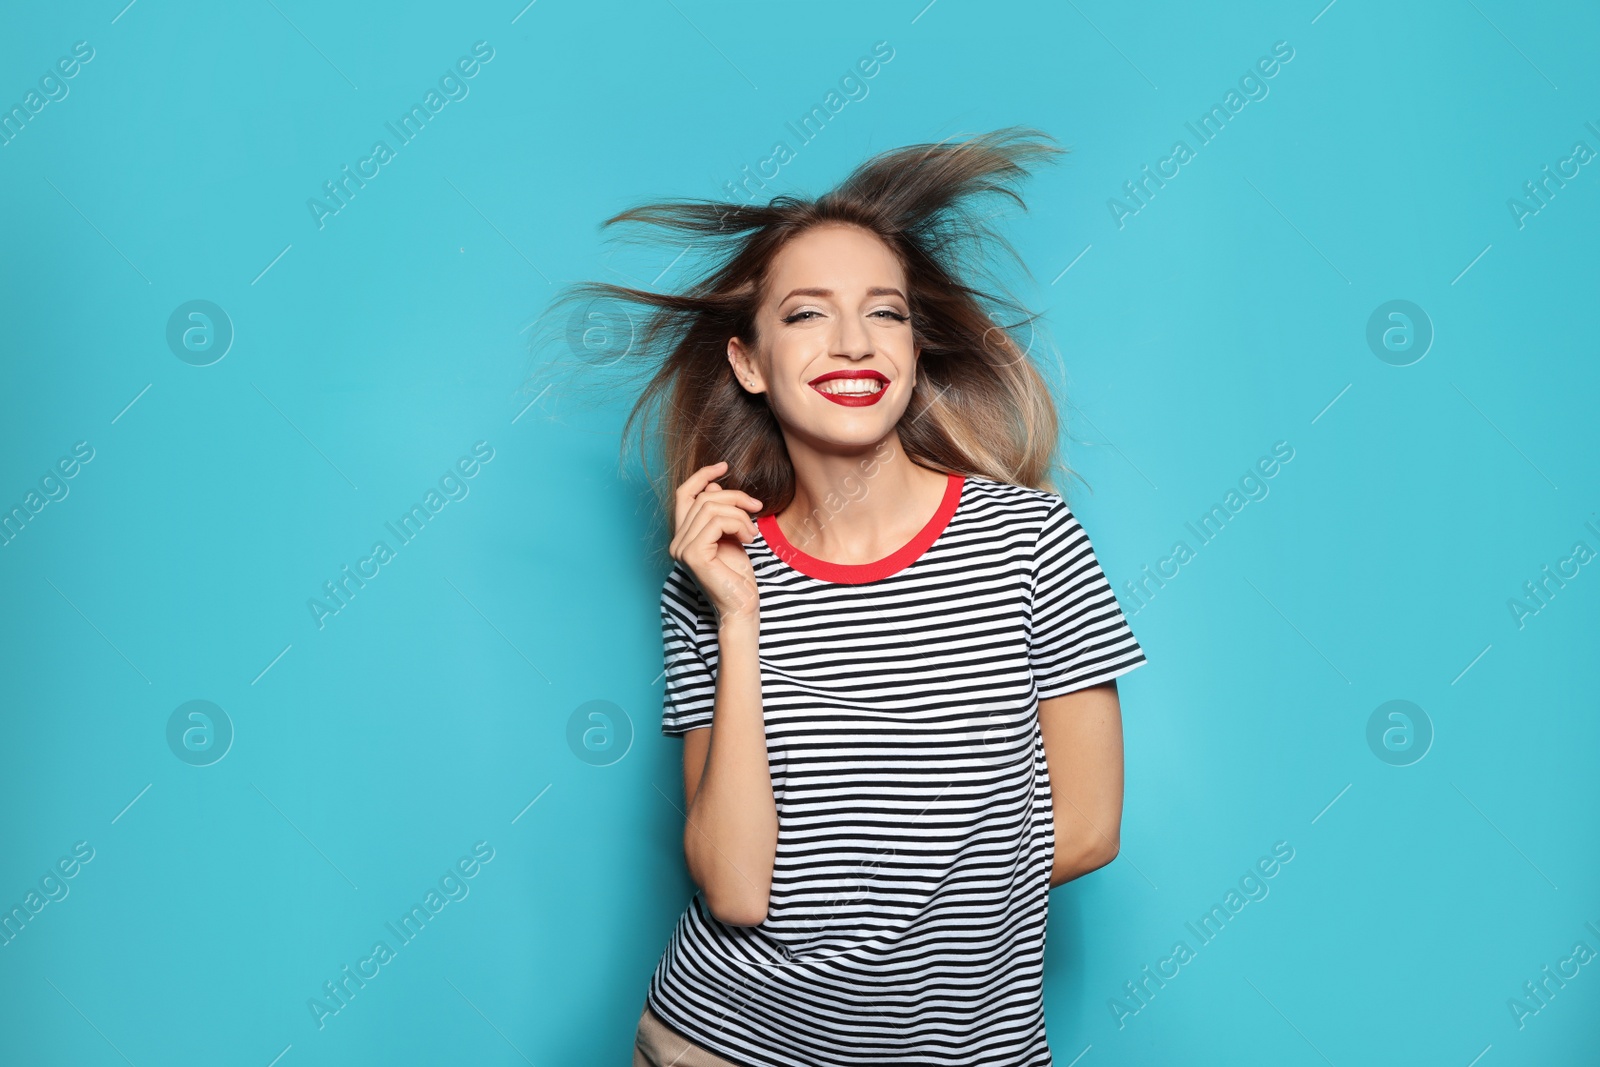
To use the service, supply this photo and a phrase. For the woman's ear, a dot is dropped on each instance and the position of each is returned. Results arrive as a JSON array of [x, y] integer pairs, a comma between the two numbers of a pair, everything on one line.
[[744, 368]]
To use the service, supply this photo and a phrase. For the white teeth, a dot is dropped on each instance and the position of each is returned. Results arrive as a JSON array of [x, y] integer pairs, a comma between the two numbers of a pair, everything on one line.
[[851, 386]]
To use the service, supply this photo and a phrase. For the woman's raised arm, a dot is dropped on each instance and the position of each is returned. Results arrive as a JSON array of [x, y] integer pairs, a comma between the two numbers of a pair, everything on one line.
[[730, 834]]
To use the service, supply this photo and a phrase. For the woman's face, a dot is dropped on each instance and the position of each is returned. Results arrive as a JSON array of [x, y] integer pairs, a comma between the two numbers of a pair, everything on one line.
[[836, 358]]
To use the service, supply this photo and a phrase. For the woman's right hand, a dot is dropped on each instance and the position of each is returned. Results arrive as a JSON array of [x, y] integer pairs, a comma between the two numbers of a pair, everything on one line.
[[707, 517]]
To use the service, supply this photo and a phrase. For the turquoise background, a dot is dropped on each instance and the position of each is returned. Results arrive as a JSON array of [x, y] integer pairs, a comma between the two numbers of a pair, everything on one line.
[[431, 712]]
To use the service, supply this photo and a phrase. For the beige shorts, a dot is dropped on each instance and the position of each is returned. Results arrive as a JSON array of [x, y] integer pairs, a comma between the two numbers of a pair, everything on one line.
[[657, 1046]]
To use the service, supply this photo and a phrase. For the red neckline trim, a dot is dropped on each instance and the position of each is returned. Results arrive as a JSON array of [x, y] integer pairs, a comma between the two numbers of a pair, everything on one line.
[[858, 573]]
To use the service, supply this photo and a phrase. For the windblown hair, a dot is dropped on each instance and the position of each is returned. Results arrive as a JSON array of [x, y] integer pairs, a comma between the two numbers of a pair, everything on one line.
[[979, 406]]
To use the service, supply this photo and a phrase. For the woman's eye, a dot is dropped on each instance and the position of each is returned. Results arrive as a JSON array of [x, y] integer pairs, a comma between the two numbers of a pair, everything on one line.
[[802, 316]]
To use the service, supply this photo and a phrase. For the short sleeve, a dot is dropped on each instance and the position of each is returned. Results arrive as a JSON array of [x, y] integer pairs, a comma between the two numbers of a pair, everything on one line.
[[1078, 636], [688, 648]]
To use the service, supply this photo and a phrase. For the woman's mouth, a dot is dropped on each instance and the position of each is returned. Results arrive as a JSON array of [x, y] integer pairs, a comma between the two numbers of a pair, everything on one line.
[[852, 390]]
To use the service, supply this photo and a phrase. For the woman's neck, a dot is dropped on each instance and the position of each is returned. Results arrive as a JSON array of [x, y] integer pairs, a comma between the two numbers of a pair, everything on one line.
[[854, 509]]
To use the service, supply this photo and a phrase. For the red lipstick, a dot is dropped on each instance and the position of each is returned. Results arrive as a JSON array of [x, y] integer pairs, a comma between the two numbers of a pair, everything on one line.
[[853, 400]]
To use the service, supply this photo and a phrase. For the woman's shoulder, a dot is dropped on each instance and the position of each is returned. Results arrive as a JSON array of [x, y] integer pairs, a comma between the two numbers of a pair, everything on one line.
[[1020, 501]]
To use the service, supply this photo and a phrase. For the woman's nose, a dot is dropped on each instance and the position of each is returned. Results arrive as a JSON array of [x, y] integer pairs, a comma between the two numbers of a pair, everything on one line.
[[854, 339]]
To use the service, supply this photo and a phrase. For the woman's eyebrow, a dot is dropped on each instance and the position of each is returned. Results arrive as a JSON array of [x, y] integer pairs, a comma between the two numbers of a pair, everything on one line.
[[877, 290]]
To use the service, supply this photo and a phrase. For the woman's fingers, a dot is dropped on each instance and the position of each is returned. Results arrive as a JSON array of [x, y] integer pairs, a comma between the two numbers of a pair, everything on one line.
[[711, 521], [707, 514], [690, 490], [725, 579], [696, 484], [697, 543], [713, 495], [692, 525], [734, 498]]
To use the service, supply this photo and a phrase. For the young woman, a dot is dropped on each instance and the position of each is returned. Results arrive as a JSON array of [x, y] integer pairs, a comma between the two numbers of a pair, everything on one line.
[[890, 648]]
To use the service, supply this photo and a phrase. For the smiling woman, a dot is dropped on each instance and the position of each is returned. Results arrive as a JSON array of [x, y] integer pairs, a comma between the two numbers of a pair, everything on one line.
[[900, 729]]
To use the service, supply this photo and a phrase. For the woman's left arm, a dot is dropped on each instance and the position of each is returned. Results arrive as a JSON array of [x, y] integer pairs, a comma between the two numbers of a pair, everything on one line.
[[1083, 747]]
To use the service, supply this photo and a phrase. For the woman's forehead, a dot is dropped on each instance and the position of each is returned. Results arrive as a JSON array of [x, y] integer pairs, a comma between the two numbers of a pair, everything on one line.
[[846, 260]]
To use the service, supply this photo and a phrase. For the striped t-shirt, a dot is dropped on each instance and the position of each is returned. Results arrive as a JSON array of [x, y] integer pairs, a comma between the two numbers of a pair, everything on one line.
[[906, 921]]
